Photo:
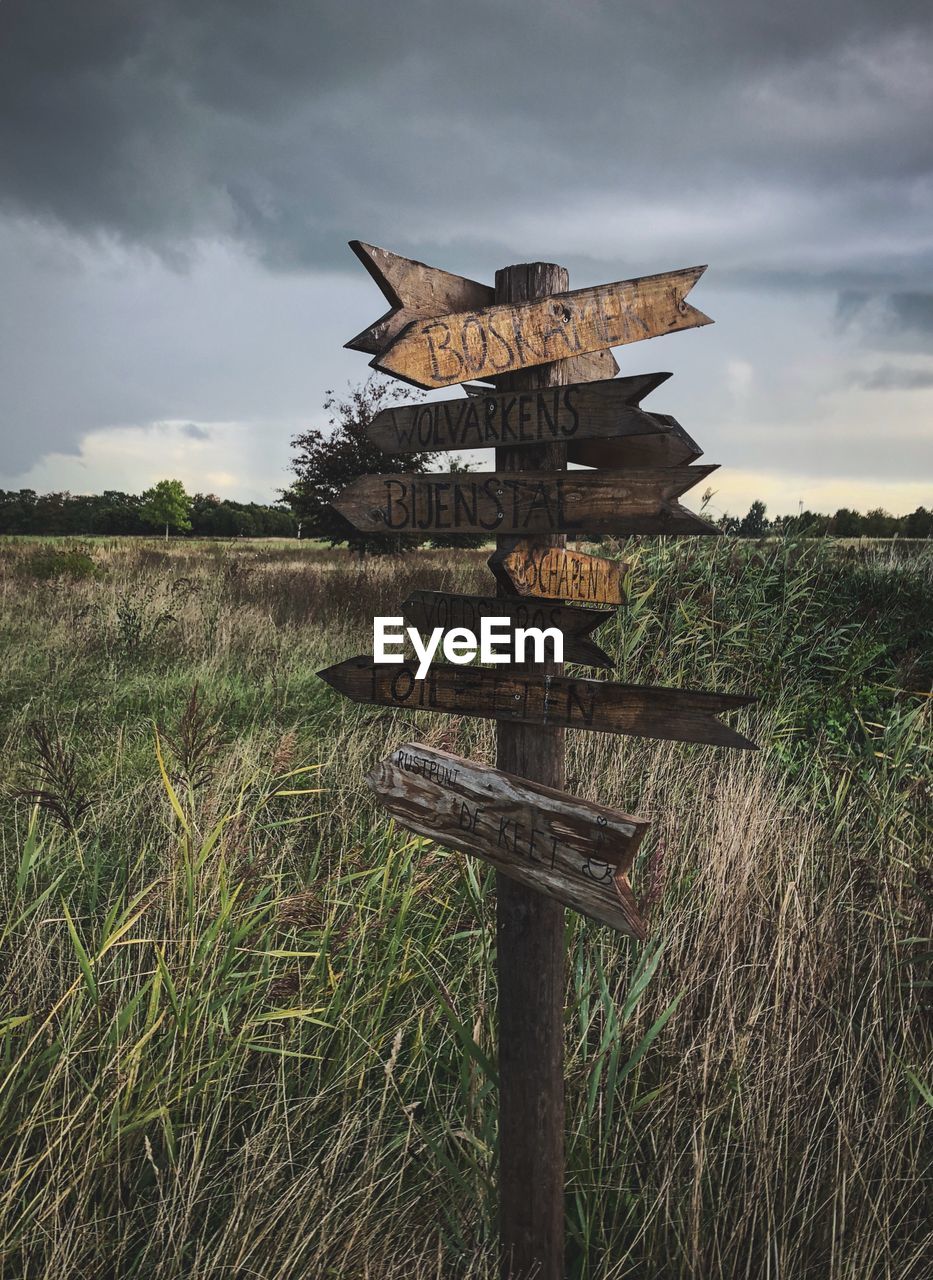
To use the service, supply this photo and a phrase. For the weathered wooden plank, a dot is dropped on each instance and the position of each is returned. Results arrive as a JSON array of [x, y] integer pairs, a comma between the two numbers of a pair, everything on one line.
[[518, 697], [429, 609], [506, 337], [417, 291], [574, 851], [669, 446], [530, 929], [583, 410], [639, 385], [558, 573], [526, 502], [592, 366], [413, 290]]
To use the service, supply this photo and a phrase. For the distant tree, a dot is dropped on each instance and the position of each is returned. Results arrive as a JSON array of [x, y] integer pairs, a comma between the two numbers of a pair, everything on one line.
[[809, 523], [753, 522], [167, 505], [325, 464], [18, 511], [846, 524], [919, 524], [879, 524]]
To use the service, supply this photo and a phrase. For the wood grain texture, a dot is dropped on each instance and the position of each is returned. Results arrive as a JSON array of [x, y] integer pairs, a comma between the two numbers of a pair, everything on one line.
[[527, 502], [639, 384], [583, 410], [670, 446], [575, 852], [516, 696], [530, 926], [416, 291], [591, 366], [413, 291], [556, 573], [429, 609], [507, 337]]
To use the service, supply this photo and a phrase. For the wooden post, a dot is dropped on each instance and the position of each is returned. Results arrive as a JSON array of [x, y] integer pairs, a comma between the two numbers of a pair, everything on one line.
[[530, 932]]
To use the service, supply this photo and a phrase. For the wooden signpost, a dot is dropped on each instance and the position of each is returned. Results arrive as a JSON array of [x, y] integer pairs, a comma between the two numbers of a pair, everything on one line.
[[578, 411], [508, 337], [517, 697], [415, 291], [525, 502], [429, 609], [555, 573], [545, 349], [576, 852], [668, 447]]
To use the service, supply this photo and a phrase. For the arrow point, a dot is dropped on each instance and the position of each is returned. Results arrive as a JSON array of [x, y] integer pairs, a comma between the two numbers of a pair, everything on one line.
[[599, 616], [623, 889], [685, 521], [367, 340], [700, 318], [368, 255], [649, 382], [327, 675]]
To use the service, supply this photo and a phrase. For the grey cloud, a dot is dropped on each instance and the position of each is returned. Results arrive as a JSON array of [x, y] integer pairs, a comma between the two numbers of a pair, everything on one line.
[[194, 432], [913, 312], [292, 125], [890, 377], [901, 321], [231, 148]]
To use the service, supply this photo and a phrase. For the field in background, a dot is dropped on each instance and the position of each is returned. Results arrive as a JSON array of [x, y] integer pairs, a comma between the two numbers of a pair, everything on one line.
[[247, 1026]]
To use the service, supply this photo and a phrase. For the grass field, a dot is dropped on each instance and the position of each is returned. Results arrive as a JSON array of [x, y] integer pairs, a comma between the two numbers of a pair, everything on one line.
[[247, 1025]]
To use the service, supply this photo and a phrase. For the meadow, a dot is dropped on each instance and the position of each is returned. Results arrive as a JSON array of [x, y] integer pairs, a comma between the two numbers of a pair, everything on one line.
[[247, 1025]]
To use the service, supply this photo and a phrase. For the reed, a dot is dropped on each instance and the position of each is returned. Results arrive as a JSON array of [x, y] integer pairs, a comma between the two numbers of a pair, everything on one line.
[[247, 1025]]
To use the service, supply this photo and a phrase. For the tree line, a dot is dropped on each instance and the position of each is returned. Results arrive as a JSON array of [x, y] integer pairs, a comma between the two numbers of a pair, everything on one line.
[[323, 464], [204, 515], [845, 523]]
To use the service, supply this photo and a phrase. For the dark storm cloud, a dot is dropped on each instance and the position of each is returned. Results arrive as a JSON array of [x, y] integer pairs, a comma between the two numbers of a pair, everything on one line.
[[914, 312], [900, 321], [178, 179], [290, 125]]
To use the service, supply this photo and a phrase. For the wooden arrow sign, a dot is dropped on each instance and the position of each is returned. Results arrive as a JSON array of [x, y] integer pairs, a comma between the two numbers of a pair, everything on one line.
[[590, 366], [429, 609], [669, 446], [510, 336], [557, 573], [676, 715], [585, 410], [526, 502], [577, 852], [415, 291]]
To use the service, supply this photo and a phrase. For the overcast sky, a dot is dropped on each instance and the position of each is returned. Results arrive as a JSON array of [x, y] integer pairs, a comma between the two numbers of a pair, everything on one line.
[[178, 182]]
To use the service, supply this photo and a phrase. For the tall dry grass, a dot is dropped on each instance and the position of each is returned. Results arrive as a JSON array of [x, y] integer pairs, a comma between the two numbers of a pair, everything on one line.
[[247, 1025]]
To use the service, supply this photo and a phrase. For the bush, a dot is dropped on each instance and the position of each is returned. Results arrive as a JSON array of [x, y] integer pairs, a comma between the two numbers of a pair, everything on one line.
[[50, 562]]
